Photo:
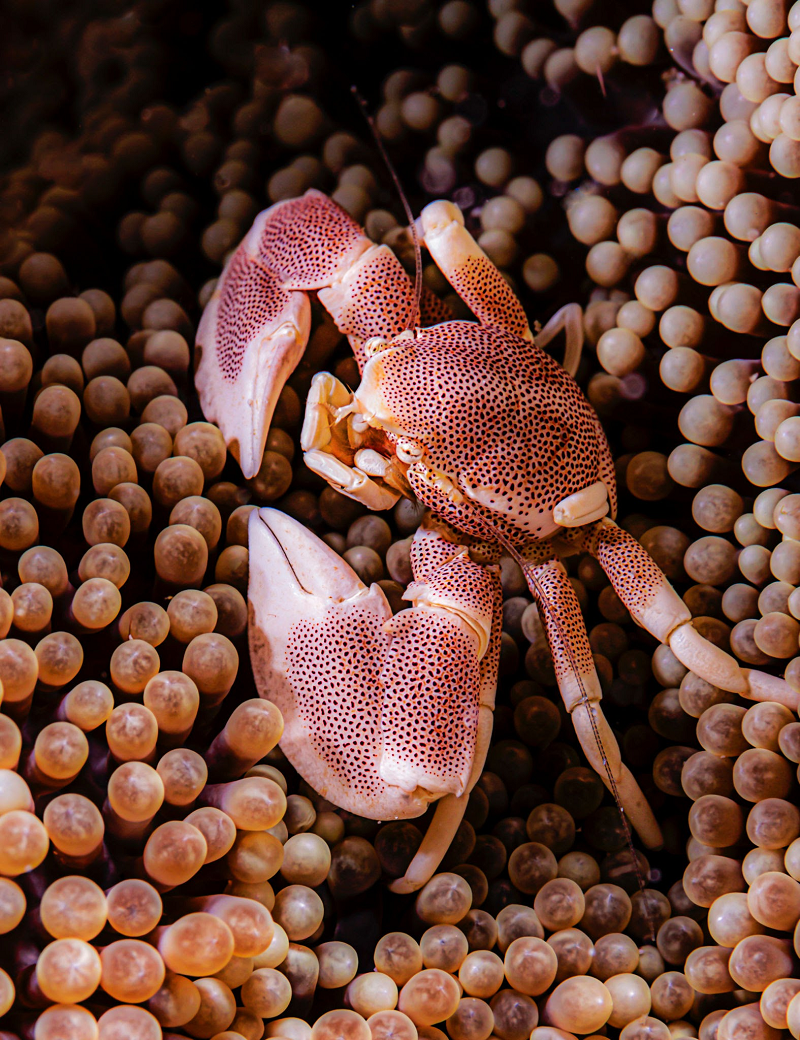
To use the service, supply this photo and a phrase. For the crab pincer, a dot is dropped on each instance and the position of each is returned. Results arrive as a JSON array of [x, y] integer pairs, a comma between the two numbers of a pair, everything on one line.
[[256, 326], [383, 714]]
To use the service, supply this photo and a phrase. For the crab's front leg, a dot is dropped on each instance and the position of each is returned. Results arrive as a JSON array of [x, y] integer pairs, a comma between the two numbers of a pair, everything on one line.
[[383, 714], [484, 289]]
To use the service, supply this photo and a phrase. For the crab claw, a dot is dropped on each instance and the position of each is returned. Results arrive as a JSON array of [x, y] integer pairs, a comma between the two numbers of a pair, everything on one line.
[[252, 334], [317, 642]]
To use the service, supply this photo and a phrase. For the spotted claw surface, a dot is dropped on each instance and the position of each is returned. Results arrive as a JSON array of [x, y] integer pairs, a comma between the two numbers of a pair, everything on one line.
[[316, 642]]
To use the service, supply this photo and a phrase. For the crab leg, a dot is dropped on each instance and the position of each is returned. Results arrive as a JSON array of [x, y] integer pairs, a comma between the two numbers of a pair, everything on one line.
[[483, 288], [580, 689], [383, 714], [655, 605], [446, 819], [570, 319], [469, 270]]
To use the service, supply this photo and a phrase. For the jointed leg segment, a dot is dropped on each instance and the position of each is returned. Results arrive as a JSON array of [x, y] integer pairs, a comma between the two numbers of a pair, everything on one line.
[[469, 270], [570, 319], [580, 689], [655, 605]]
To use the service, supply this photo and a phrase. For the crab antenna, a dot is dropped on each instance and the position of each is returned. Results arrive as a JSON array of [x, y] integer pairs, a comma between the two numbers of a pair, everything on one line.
[[496, 533], [414, 317]]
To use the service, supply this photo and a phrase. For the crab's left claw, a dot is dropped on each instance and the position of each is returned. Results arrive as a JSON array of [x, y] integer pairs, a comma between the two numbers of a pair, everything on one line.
[[375, 720], [252, 335]]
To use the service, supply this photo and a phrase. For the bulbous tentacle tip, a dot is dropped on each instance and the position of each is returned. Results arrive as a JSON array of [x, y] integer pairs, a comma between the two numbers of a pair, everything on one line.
[[404, 886]]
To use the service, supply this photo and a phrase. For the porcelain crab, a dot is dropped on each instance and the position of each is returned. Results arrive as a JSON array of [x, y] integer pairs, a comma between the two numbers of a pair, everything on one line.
[[387, 713]]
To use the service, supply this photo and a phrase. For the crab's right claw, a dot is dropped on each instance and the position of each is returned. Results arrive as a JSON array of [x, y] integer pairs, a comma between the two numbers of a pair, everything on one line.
[[317, 643], [383, 714], [252, 335]]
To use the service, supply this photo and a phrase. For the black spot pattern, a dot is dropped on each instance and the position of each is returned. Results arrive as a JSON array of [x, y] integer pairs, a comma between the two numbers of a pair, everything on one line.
[[634, 574], [414, 694], [305, 239], [430, 550], [495, 413], [302, 245], [251, 297], [380, 299], [563, 621], [606, 470], [488, 295], [430, 708], [462, 582], [333, 667], [434, 311]]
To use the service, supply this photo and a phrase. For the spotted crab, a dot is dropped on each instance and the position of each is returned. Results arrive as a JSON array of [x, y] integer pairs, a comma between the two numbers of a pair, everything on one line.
[[386, 713]]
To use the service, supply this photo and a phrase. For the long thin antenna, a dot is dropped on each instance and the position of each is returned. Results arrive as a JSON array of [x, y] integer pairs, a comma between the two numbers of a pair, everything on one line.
[[552, 614], [414, 318]]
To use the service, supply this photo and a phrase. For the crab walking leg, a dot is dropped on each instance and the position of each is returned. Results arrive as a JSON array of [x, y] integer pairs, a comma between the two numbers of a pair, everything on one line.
[[469, 270], [570, 319], [580, 690], [255, 327], [654, 604], [440, 668]]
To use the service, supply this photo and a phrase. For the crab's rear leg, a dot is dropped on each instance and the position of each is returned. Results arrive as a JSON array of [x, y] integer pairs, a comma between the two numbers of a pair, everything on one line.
[[580, 690], [655, 605], [254, 330], [568, 319], [383, 714]]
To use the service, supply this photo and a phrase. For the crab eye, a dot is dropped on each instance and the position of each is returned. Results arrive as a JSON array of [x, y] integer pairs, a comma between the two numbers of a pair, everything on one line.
[[409, 451], [374, 345]]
